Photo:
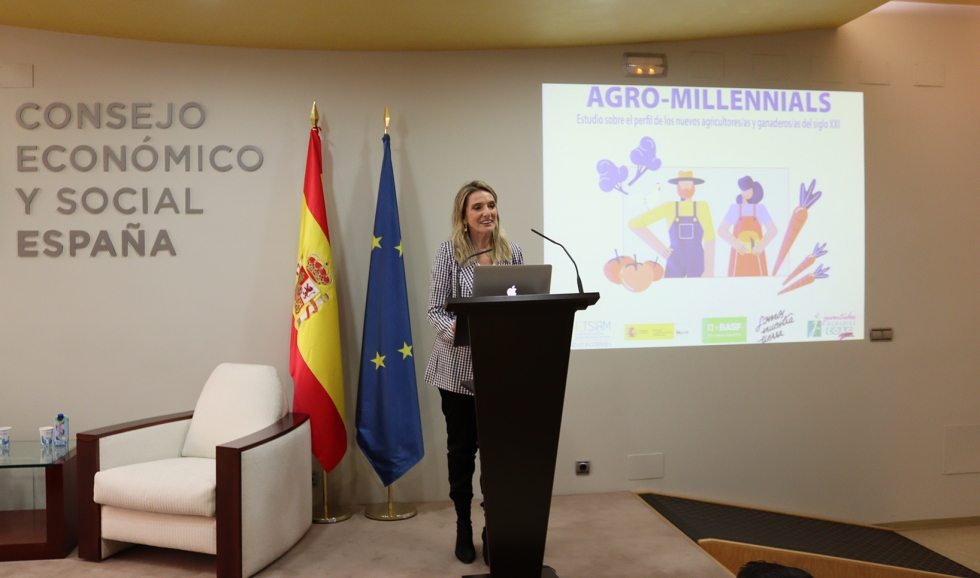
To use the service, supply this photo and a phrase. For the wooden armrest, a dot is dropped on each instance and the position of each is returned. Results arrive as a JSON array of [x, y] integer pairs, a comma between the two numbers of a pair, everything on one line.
[[95, 434], [229, 489], [282, 427]]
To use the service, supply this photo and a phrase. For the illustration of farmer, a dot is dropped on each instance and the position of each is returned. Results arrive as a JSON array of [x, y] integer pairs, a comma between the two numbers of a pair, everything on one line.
[[692, 236], [742, 228]]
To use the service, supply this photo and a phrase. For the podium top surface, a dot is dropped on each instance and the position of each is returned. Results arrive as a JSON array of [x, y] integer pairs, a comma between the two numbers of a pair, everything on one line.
[[574, 301]]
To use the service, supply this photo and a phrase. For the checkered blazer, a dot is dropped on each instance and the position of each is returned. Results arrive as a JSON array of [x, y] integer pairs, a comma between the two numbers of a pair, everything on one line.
[[448, 365]]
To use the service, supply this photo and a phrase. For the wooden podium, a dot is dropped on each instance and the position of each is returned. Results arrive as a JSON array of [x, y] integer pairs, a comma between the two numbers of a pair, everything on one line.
[[520, 349]]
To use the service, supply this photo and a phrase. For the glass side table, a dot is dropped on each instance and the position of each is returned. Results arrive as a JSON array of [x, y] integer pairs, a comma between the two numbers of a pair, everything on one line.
[[38, 510]]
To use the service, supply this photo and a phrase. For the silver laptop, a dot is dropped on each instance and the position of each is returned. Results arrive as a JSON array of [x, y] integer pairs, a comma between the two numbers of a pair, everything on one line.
[[503, 280]]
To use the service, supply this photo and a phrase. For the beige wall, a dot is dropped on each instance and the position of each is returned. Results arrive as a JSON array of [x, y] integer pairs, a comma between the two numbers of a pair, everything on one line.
[[848, 430]]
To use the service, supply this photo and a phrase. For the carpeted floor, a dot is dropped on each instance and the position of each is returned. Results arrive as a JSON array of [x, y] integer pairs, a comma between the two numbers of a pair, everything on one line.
[[960, 543], [609, 535]]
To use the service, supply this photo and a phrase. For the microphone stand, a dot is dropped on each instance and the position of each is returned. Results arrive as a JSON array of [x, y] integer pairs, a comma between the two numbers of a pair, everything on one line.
[[459, 267], [577, 277]]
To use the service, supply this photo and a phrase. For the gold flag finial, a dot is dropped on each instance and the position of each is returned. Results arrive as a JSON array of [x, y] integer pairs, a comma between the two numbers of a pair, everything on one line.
[[314, 115], [387, 118]]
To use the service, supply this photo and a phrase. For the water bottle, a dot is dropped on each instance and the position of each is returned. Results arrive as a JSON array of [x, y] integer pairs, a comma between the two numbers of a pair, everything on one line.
[[61, 430]]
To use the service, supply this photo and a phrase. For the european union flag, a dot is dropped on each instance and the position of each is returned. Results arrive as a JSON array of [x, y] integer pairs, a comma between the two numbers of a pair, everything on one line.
[[389, 429]]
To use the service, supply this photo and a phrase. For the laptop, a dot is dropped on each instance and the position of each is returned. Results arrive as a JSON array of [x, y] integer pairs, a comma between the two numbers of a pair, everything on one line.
[[511, 280]]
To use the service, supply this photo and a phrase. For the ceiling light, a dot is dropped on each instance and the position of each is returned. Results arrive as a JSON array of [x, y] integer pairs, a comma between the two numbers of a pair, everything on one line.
[[643, 64]]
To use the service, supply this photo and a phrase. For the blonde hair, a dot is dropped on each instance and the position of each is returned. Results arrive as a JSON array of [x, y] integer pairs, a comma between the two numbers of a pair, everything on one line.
[[460, 237]]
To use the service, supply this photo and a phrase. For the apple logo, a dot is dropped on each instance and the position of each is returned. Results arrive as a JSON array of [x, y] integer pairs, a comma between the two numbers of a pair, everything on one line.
[[512, 291]]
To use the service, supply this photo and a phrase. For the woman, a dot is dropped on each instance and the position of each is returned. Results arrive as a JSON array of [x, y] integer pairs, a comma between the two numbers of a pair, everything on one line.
[[476, 228], [742, 229]]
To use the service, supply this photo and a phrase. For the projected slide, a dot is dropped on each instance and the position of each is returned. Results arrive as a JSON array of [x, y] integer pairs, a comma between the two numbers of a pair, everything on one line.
[[706, 216]]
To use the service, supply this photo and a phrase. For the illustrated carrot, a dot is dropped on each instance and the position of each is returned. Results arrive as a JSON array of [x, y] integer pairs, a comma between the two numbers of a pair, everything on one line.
[[819, 273], [818, 251], [796, 221]]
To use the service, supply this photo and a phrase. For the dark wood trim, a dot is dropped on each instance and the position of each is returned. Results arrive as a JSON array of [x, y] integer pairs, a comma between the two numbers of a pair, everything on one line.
[[228, 511], [33, 551], [89, 513], [133, 425], [49, 533], [282, 427], [228, 494], [70, 504], [25, 535], [54, 484], [61, 518], [89, 521]]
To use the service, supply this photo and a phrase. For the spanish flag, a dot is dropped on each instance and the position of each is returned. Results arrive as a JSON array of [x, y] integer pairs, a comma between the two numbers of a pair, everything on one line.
[[314, 356]]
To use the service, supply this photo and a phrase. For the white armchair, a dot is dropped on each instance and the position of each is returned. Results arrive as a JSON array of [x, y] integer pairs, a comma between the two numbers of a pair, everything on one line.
[[231, 478]]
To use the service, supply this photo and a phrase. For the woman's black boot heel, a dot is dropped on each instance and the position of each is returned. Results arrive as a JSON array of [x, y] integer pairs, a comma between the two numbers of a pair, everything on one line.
[[465, 551]]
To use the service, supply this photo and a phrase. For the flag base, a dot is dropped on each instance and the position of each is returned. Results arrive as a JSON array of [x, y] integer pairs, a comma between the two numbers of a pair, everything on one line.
[[390, 511], [336, 514]]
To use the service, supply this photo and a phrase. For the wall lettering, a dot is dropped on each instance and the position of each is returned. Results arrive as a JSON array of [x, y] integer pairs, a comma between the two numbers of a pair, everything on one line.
[[45, 122]]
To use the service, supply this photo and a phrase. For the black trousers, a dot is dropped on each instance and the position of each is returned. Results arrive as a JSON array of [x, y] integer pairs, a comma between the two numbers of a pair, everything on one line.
[[462, 444]]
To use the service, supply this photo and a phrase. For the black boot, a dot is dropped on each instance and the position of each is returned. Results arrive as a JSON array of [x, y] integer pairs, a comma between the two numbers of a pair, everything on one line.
[[486, 548], [465, 551]]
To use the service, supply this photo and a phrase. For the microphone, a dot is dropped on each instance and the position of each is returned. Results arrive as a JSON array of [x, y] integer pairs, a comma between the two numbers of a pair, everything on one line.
[[465, 261], [577, 277]]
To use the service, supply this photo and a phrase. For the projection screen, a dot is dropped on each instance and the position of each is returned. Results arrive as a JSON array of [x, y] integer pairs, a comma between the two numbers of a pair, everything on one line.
[[706, 216]]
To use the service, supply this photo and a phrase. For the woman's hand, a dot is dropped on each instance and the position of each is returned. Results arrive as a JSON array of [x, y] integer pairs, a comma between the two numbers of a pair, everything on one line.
[[725, 234]]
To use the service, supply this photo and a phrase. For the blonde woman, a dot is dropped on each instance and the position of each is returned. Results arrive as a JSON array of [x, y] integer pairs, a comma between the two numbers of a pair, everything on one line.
[[476, 227]]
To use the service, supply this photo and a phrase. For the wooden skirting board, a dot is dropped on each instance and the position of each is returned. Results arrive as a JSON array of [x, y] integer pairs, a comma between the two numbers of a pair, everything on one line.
[[733, 555], [931, 524]]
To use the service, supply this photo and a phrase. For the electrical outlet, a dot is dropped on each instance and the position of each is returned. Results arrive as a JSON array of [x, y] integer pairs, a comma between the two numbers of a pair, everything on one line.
[[583, 468], [882, 334]]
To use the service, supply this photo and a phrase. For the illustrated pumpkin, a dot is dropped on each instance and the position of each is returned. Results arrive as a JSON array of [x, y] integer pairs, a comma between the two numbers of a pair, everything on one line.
[[637, 276], [658, 269], [613, 268]]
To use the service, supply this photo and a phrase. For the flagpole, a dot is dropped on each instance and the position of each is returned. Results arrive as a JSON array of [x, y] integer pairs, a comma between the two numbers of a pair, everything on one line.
[[337, 514], [391, 511]]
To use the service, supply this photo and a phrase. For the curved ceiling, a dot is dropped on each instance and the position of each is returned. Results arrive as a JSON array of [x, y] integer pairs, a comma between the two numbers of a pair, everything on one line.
[[427, 24]]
